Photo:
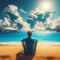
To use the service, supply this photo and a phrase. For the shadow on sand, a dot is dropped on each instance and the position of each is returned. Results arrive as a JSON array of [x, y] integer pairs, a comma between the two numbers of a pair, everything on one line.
[[21, 56]]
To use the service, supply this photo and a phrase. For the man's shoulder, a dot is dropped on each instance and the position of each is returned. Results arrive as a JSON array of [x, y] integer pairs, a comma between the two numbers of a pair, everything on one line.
[[27, 39], [24, 39]]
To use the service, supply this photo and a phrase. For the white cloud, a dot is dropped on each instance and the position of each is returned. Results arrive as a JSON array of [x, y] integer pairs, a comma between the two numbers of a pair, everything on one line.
[[55, 23], [11, 28], [48, 22], [11, 9], [39, 26], [30, 19], [19, 20], [36, 11], [15, 26], [6, 22], [22, 11], [14, 10], [1, 21], [26, 26], [52, 24], [41, 22]]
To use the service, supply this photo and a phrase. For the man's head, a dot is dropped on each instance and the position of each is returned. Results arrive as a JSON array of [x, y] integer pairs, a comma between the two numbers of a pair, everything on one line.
[[29, 33]]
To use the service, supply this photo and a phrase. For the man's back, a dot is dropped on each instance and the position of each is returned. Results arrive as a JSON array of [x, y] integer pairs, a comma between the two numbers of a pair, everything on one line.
[[29, 46]]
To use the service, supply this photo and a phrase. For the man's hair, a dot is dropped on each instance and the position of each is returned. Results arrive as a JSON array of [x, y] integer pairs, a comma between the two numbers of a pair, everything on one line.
[[29, 32]]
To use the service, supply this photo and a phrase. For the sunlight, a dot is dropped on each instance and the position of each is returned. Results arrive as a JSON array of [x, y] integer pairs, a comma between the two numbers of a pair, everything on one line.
[[45, 5]]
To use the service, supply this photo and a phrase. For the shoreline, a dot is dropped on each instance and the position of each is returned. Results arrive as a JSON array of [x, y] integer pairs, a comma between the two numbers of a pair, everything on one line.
[[39, 43]]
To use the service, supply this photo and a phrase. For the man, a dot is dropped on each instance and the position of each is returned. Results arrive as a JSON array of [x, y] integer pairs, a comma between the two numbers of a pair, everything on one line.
[[29, 44]]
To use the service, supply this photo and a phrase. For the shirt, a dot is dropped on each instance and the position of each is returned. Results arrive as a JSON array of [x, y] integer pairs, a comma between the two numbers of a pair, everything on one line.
[[29, 46]]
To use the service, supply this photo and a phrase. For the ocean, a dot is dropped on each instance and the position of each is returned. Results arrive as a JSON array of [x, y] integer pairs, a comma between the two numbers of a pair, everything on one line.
[[48, 36]]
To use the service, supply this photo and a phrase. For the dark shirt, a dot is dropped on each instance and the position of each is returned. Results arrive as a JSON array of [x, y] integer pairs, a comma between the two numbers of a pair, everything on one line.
[[29, 46]]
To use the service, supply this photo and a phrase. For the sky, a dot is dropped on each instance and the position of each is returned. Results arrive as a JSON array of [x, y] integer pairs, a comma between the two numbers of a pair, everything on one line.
[[34, 15]]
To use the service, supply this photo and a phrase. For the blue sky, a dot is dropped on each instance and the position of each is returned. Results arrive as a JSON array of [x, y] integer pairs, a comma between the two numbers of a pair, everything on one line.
[[26, 7], [57, 8]]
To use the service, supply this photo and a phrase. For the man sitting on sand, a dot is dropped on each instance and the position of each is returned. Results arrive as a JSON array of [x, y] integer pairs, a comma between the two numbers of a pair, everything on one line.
[[29, 44]]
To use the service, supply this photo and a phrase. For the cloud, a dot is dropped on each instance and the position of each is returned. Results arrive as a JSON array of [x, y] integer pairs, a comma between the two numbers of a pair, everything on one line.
[[17, 21], [1, 21], [25, 26], [39, 26], [38, 20], [11, 9], [55, 24], [22, 11], [6, 22], [38, 15], [52, 24], [11, 29]]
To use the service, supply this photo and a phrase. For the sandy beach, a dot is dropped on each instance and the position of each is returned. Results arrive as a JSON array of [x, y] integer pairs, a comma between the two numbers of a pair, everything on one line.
[[43, 51]]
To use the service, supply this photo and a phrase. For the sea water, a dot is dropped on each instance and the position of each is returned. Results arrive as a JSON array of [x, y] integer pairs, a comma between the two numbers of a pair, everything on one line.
[[40, 36]]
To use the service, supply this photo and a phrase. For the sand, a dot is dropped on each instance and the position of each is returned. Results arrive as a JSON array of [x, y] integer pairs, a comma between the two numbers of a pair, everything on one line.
[[42, 51]]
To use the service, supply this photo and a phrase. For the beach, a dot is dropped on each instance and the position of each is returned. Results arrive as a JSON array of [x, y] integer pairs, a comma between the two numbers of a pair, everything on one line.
[[43, 51]]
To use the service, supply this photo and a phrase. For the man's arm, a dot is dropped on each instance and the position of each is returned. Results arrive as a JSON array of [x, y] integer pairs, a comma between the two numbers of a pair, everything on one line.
[[36, 43], [23, 44]]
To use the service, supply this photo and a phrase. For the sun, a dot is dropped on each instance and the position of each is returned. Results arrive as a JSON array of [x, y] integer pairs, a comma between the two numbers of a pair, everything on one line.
[[45, 5]]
